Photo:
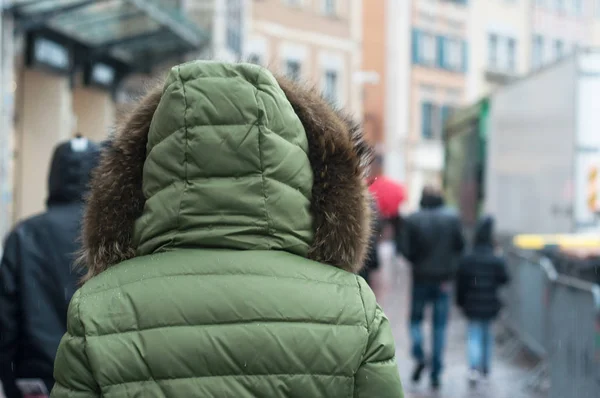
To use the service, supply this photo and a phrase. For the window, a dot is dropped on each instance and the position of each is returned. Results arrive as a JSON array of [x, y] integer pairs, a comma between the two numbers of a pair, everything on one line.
[[493, 51], [454, 53], [295, 3], [559, 49], [433, 119], [427, 49], [330, 89], [538, 51], [446, 112], [234, 26], [502, 53], [511, 54], [578, 7], [293, 69], [424, 48], [329, 7], [443, 52], [427, 122]]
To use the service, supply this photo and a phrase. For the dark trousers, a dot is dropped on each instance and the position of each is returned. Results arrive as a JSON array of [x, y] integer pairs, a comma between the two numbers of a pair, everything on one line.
[[424, 294]]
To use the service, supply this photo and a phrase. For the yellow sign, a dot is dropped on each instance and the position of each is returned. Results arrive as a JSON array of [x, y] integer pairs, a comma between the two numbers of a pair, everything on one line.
[[536, 242], [592, 197], [593, 175]]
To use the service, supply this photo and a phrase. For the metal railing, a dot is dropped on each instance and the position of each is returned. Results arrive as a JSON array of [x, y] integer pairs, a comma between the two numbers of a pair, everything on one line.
[[556, 318]]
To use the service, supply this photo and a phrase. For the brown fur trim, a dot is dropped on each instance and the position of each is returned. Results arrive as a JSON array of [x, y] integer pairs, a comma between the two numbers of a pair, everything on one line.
[[116, 199], [338, 154], [339, 157]]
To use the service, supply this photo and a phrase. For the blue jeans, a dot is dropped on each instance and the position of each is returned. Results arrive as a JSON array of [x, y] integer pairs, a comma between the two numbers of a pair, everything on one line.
[[422, 295], [480, 344]]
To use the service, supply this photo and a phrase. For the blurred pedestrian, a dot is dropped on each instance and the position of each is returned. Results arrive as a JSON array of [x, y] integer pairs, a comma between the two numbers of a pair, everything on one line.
[[222, 234], [480, 275], [372, 259], [431, 241], [37, 278], [388, 195]]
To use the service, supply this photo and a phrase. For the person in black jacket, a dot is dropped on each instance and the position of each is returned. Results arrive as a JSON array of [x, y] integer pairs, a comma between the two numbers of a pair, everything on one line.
[[372, 260], [480, 274], [37, 278], [432, 241]]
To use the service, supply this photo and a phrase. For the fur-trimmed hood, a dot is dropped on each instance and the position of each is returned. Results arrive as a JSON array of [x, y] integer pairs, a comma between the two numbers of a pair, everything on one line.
[[139, 171]]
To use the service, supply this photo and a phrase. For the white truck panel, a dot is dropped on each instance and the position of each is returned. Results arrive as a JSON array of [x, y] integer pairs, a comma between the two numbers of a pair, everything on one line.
[[530, 162]]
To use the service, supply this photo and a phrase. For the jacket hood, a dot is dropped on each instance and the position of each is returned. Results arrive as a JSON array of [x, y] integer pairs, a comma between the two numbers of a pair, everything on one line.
[[70, 170], [484, 232], [431, 201], [229, 156]]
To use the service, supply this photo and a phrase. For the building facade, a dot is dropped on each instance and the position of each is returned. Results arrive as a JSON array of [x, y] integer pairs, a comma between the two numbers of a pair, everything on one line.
[[510, 39], [227, 23], [59, 80], [440, 56], [499, 40], [463, 50], [317, 42], [374, 71]]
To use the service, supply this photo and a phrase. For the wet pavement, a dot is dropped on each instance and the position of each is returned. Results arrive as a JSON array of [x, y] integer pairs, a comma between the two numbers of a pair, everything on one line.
[[509, 372]]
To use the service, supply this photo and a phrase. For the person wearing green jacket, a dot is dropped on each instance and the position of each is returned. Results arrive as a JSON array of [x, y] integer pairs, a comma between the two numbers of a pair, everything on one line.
[[223, 232]]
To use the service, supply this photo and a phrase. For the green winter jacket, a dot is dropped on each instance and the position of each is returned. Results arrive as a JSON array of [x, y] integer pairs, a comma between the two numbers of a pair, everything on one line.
[[223, 230]]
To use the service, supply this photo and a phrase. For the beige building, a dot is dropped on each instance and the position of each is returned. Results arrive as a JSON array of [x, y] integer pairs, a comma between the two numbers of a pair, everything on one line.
[[509, 39], [314, 41], [560, 27], [438, 77], [499, 40]]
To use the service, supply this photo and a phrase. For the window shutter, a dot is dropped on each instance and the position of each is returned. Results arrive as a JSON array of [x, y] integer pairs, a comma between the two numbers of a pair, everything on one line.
[[416, 41], [435, 121], [441, 52], [446, 113], [465, 54], [426, 120]]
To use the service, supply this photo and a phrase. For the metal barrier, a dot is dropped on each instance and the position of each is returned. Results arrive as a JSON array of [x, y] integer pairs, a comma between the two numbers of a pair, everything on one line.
[[557, 318], [527, 299], [574, 325], [526, 309]]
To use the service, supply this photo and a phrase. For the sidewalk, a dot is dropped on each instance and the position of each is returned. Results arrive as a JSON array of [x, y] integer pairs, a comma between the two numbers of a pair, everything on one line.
[[507, 379]]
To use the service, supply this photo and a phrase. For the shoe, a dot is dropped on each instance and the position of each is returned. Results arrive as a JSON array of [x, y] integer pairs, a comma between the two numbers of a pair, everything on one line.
[[436, 384], [474, 377], [418, 372], [485, 379]]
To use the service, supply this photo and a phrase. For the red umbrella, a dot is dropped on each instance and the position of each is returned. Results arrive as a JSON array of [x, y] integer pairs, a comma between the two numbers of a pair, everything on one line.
[[388, 195]]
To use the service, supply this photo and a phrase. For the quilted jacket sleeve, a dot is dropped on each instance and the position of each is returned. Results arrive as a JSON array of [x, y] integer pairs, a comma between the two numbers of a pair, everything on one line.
[[72, 370], [378, 374]]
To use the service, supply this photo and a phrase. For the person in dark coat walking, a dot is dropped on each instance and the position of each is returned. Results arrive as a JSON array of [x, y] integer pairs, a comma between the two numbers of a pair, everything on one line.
[[480, 275], [37, 279], [432, 241]]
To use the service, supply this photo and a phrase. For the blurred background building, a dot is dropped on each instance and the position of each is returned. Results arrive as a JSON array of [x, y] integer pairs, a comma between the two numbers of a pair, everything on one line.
[[401, 67], [317, 42], [463, 50]]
